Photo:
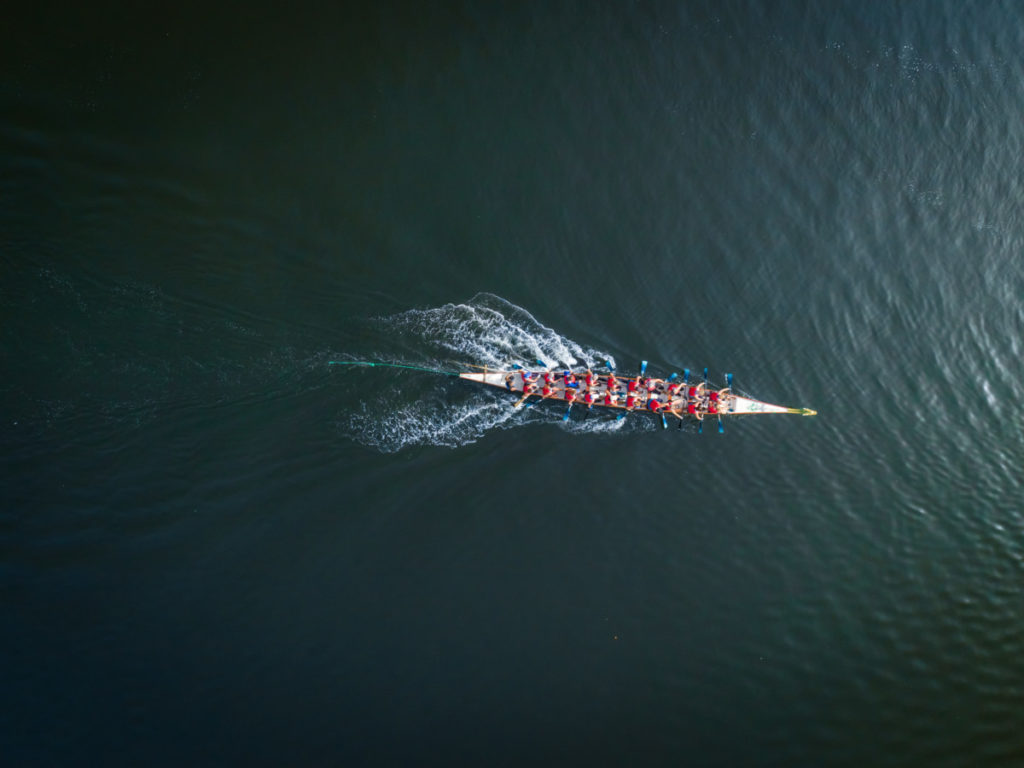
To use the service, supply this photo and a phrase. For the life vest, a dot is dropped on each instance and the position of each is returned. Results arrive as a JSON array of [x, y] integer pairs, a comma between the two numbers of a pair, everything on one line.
[[631, 387], [589, 379], [712, 408], [691, 408], [610, 399], [713, 396], [548, 378], [546, 391], [654, 405], [570, 395], [692, 392], [588, 397], [631, 402], [612, 382]]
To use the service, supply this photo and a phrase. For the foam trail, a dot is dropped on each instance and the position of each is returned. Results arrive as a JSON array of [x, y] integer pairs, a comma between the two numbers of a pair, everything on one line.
[[409, 409], [488, 330]]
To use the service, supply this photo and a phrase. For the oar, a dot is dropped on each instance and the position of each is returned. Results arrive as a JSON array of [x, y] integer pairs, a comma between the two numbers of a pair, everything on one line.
[[611, 367], [721, 429], [566, 417], [523, 398], [705, 378], [664, 422], [643, 367], [686, 376]]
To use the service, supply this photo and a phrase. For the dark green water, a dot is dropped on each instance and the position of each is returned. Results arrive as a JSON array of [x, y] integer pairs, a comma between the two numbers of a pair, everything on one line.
[[215, 548]]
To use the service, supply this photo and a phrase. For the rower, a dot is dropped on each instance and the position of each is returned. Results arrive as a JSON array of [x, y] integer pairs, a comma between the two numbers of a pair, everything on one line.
[[508, 381], [655, 406], [633, 385], [589, 379], [613, 383], [588, 398], [549, 379], [630, 402], [570, 380], [547, 390], [570, 395], [610, 398]]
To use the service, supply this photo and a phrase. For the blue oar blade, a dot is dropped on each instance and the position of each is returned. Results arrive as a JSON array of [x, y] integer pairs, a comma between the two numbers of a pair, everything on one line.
[[608, 364], [721, 427], [728, 380], [664, 422], [643, 367], [673, 377], [566, 417], [705, 377]]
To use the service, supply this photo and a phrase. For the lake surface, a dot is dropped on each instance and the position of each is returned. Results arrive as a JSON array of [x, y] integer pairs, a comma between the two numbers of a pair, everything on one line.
[[216, 548]]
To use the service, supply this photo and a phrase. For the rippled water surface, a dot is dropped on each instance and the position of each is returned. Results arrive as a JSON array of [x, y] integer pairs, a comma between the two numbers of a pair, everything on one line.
[[216, 547]]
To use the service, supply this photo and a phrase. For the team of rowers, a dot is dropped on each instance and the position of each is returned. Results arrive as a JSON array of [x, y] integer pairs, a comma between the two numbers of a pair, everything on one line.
[[659, 396]]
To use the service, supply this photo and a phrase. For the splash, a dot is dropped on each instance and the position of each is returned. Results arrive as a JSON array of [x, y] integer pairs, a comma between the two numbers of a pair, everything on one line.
[[488, 330], [410, 408]]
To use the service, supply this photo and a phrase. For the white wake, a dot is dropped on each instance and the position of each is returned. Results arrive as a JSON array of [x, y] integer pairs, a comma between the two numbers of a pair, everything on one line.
[[409, 408]]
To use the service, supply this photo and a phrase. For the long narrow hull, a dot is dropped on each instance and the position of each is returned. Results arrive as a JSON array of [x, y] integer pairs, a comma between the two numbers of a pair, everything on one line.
[[695, 401]]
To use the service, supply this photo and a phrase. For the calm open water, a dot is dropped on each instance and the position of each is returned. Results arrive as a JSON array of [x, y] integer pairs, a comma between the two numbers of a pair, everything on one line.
[[217, 549]]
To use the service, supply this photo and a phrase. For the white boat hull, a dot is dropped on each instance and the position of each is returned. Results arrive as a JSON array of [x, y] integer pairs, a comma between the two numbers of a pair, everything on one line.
[[727, 404]]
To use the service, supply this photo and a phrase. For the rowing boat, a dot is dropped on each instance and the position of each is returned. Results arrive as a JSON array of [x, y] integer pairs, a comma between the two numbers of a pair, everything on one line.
[[675, 397]]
